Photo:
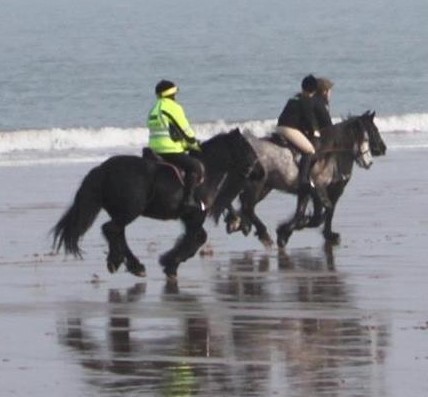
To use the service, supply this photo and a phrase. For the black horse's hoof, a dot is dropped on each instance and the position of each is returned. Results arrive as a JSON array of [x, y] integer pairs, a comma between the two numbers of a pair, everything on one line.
[[267, 243], [169, 266], [233, 223], [113, 267], [265, 239], [138, 272], [282, 239], [246, 228], [303, 222], [171, 274], [332, 238], [136, 268], [171, 278]]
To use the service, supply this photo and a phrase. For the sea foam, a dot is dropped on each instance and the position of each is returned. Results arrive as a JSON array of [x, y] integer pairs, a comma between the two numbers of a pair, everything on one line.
[[75, 144]]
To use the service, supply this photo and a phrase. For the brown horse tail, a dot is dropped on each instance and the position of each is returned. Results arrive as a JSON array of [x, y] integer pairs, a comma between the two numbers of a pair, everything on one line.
[[80, 216]]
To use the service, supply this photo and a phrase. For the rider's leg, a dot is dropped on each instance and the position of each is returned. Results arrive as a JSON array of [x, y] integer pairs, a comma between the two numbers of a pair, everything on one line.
[[194, 173], [305, 166]]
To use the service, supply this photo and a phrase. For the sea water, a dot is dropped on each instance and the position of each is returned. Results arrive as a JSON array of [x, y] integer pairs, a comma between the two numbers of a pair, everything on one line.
[[77, 77]]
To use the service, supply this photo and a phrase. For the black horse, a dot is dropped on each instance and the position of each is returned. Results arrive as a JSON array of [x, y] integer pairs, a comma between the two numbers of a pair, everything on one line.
[[354, 140], [130, 186]]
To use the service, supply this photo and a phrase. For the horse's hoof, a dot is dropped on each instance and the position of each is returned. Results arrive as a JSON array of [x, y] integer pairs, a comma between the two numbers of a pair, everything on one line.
[[303, 222], [112, 267], [267, 243], [332, 238], [136, 268], [171, 275], [282, 239], [246, 229], [265, 239], [138, 274], [233, 224], [171, 279]]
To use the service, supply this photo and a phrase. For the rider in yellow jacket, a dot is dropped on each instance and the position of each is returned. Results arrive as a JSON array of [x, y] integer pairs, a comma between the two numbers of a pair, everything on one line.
[[171, 136]]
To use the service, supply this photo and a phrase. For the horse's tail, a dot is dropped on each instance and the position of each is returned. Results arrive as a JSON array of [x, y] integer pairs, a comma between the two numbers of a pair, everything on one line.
[[80, 216]]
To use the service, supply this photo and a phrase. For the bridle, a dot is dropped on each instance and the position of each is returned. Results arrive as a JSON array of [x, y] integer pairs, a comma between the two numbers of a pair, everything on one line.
[[350, 150]]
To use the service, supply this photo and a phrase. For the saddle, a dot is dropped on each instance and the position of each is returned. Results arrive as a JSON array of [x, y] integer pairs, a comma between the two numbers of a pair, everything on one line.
[[279, 140], [151, 156]]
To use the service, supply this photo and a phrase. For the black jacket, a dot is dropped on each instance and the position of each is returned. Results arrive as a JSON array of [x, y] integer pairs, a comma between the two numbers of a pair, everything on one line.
[[299, 113]]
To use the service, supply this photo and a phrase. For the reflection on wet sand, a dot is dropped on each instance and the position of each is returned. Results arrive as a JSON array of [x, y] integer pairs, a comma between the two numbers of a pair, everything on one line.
[[270, 325]]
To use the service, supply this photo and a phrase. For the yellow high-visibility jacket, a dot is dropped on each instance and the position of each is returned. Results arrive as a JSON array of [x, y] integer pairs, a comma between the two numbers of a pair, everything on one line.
[[170, 131]]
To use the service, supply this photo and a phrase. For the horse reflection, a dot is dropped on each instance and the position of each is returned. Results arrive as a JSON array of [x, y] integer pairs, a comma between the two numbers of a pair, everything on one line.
[[150, 358], [114, 355], [310, 329], [271, 325]]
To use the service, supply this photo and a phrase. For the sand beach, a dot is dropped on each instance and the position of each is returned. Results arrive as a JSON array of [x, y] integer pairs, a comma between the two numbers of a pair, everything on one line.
[[349, 320]]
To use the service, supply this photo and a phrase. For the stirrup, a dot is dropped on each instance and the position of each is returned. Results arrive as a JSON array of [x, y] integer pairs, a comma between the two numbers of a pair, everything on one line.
[[195, 204]]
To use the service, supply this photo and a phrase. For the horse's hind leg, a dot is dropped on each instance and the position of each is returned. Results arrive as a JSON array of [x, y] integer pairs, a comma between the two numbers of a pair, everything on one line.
[[261, 229], [187, 245], [249, 199], [119, 250], [112, 233], [132, 263], [285, 230]]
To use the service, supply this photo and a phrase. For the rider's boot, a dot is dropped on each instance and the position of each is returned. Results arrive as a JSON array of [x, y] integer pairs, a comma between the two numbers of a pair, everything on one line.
[[306, 186], [190, 201]]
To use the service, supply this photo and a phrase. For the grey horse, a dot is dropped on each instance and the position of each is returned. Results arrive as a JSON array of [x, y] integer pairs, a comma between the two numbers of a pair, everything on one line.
[[354, 140]]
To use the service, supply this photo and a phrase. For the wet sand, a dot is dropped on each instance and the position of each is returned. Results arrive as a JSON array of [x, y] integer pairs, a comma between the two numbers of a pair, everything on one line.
[[351, 320]]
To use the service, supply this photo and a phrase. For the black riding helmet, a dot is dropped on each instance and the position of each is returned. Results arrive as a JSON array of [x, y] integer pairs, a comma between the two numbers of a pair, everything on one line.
[[309, 83], [165, 88]]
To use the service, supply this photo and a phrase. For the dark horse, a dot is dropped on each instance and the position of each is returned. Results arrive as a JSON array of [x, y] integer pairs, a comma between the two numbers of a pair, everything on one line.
[[130, 186], [356, 139]]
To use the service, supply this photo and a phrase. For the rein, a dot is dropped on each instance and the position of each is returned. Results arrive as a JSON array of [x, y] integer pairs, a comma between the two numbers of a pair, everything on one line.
[[325, 151], [342, 150]]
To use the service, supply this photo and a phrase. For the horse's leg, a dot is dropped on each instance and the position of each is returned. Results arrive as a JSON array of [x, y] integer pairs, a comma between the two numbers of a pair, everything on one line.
[[119, 251], [187, 245], [317, 217], [261, 230], [233, 220], [112, 231], [132, 263], [284, 230], [329, 235], [334, 193], [249, 200]]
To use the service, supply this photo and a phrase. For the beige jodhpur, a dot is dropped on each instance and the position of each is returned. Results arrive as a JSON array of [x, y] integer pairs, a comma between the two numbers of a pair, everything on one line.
[[297, 138]]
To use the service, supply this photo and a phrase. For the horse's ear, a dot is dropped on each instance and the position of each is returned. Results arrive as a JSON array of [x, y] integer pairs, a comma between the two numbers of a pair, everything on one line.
[[373, 114], [235, 131]]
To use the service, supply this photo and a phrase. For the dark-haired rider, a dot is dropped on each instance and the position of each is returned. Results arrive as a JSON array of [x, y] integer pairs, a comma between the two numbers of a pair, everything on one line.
[[297, 123], [171, 136]]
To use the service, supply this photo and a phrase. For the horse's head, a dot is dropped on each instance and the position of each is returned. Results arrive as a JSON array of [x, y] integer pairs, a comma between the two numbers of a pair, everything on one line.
[[231, 152], [234, 160], [377, 145], [361, 142]]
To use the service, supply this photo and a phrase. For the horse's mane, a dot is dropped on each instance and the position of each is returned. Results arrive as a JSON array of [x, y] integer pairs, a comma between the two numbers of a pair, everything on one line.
[[336, 135], [214, 140]]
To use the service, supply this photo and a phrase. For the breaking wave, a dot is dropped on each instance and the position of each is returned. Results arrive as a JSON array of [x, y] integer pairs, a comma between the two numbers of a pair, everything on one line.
[[86, 144]]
